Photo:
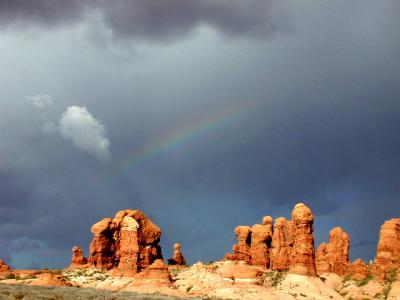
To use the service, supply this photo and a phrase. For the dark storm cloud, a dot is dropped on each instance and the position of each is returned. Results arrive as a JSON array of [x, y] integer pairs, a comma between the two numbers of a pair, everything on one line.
[[153, 20]]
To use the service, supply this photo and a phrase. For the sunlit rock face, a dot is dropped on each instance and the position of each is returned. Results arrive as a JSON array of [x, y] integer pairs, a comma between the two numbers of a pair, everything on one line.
[[303, 253], [388, 249], [288, 245], [128, 242], [334, 256], [282, 243], [3, 266], [77, 260], [177, 257]]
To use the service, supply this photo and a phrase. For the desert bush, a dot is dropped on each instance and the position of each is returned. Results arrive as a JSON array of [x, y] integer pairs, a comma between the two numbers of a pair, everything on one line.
[[72, 293], [390, 278], [364, 281]]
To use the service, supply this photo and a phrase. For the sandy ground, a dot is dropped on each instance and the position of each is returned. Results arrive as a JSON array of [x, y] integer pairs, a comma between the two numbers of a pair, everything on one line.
[[220, 280]]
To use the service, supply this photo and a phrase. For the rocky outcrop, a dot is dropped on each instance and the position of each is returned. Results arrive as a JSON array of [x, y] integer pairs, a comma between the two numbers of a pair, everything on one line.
[[156, 271], [282, 242], [261, 237], [357, 269], [78, 260], [177, 257], [241, 251], [388, 250], [322, 259], [286, 245], [334, 256], [3, 266], [303, 252], [128, 242]]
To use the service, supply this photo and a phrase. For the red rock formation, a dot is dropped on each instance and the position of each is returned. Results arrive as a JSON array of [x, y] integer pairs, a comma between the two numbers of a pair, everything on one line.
[[78, 260], [334, 256], [282, 242], [261, 236], [322, 259], [388, 250], [241, 251], [128, 242], [357, 269], [3, 266], [303, 252], [339, 250], [102, 247], [156, 271], [177, 258]]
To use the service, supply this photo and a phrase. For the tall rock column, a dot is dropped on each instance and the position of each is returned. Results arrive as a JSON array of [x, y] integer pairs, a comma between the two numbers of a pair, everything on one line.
[[282, 242], [261, 237], [334, 256], [241, 251], [388, 250], [129, 245], [77, 260], [339, 250], [303, 253], [322, 259], [177, 257], [102, 246]]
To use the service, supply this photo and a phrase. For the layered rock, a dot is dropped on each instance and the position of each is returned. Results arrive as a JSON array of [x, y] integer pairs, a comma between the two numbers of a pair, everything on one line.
[[261, 237], [78, 260], [241, 251], [286, 245], [334, 256], [177, 257], [388, 249], [282, 243], [322, 259], [357, 269], [156, 271], [303, 252], [128, 242], [3, 266]]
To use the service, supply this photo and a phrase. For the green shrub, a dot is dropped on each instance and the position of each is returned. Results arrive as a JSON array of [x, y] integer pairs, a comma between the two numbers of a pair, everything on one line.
[[364, 281]]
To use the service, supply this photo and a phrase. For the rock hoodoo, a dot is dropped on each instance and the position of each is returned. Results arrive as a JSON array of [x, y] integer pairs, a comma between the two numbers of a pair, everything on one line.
[[282, 242], [128, 242], [388, 250], [334, 256], [3, 266], [261, 238], [303, 253], [241, 251], [177, 257], [286, 245], [78, 260]]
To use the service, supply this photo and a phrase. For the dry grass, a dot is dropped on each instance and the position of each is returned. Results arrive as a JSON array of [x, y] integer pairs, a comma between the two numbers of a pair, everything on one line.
[[15, 292]]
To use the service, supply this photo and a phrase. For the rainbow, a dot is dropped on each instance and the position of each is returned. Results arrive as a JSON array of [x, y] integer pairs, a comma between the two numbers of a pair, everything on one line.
[[174, 139]]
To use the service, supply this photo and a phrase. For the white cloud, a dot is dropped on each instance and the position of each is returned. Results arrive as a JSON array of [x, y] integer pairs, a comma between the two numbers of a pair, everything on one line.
[[41, 100], [87, 133]]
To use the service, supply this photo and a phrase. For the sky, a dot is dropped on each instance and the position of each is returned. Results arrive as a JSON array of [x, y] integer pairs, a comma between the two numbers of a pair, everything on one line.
[[203, 114]]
